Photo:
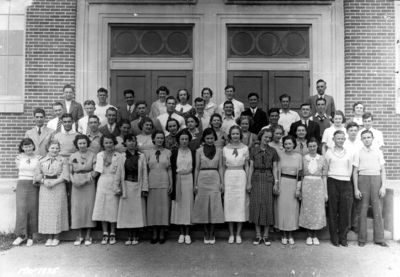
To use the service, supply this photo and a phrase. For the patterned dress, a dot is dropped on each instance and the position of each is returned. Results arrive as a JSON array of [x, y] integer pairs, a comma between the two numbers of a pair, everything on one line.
[[185, 111], [262, 183], [53, 205], [83, 192], [312, 212]]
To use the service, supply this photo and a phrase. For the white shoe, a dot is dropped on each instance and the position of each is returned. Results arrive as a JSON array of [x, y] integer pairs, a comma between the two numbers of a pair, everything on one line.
[[17, 241], [206, 241], [55, 242], [188, 240], [48, 242], [181, 239], [105, 239], [291, 241], [128, 242], [112, 239], [315, 241], [212, 241], [238, 239], [135, 241], [88, 241], [78, 241], [29, 242], [284, 241], [231, 239], [309, 241]]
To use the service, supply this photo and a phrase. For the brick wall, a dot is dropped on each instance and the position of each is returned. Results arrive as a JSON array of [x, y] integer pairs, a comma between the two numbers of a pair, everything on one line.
[[369, 69], [49, 64]]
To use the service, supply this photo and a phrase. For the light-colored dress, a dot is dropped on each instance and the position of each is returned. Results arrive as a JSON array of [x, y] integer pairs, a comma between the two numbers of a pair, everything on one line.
[[235, 183], [144, 142], [83, 192], [120, 147], [131, 179], [287, 206], [158, 199], [106, 203], [182, 210], [26, 196], [157, 108], [208, 202], [53, 205], [312, 212]]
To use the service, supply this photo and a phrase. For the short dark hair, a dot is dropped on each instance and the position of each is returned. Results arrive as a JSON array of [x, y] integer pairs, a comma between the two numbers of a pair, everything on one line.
[[68, 86], [172, 120], [204, 89], [358, 103], [89, 102], [26, 141], [338, 112], [215, 115], [285, 96], [273, 110], [162, 88], [289, 137], [339, 132], [320, 99], [102, 90], [227, 102], [199, 99], [57, 104], [130, 137], [251, 94], [263, 131], [300, 125], [312, 139], [237, 128], [123, 121], [229, 86], [145, 120], [108, 136], [209, 131], [245, 117], [367, 115], [78, 137], [67, 115], [129, 91], [181, 133], [305, 104], [187, 94], [94, 116], [194, 118], [141, 102], [367, 132], [153, 136], [111, 109], [352, 124], [39, 110], [169, 98], [319, 81]]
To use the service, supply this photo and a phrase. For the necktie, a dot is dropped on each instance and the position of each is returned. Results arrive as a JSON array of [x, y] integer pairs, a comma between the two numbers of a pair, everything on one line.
[[170, 115], [253, 111], [110, 128], [158, 153], [58, 126], [39, 132], [235, 152]]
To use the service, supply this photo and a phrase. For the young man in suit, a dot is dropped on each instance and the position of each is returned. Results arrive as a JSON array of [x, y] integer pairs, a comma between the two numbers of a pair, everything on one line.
[[312, 127], [230, 96], [111, 127], [199, 105], [286, 115], [141, 109], [330, 102], [40, 134], [128, 112], [70, 105], [260, 117], [56, 123]]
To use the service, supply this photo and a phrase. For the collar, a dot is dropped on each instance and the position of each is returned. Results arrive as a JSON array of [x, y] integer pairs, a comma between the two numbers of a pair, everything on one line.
[[48, 158], [68, 102], [112, 126], [319, 116], [320, 96], [258, 149], [200, 116], [209, 105], [72, 131], [304, 121], [253, 110], [41, 128], [289, 111], [341, 153], [94, 136], [368, 149], [228, 118]]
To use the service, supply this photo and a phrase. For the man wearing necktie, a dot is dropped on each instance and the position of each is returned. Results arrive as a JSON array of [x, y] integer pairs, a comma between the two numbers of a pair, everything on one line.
[[56, 123], [40, 134], [141, 110], [260, 117], [323, 120], [83, 123], [111, 126], [199, 104], [312, 127], [161, 121], [329, 104], [128, 111]]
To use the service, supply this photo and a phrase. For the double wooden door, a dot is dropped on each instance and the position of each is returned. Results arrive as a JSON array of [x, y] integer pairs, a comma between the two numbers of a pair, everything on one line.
[[270, 85], [145, 83]]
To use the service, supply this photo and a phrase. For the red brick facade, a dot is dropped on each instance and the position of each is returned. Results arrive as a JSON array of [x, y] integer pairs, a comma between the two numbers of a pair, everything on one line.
[[50, 63]]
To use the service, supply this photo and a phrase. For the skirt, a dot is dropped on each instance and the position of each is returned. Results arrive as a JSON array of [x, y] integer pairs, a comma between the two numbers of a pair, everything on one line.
[[287, 206], [262, 199], [312, 212], [235, 196], [53, 209], [82, 204], [27, 202], [158, 207], [181, 212], [132, 209], [106, 203]]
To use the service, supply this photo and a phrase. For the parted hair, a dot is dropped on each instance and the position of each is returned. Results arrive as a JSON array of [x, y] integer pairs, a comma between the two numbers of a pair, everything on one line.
[[162, 88], [352, 124], [67, 115], [153, 136], [145, 120], [187, 94], [235, 127], [263, 131], [194, 118], [312, 139], [39, 110], [245, 117], [26, 141], [172, 120], [181, 133], [209, 131], [94, 116], [108, 136], [289, 137], [78, 137]]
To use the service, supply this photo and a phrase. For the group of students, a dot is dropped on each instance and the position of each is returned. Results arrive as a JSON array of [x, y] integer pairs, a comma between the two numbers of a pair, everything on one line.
[[179, 170]]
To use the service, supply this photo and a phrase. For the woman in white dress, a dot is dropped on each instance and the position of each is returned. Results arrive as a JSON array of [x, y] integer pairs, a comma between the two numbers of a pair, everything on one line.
[[236, 159], [158, 107], [144, 139], [183, 108]]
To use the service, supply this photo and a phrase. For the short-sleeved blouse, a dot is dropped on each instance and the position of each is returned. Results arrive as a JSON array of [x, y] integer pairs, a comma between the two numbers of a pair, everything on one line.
[[157, 176], [26, 166], [233, 159], [322, 166], [52, 166], [263, 159]]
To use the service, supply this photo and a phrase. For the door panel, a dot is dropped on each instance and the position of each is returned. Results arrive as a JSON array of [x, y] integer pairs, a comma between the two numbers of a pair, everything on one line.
[[293, 83], [145, 84], [250, 81]]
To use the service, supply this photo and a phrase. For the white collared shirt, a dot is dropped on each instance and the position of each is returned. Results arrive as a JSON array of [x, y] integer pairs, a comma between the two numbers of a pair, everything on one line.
[[164, 118], [205, 120], [286, 119], [327, 137], [111, 128], [210, 109], [238, 108], [227, 123], [68, 106], [130, 108], [378, 137]]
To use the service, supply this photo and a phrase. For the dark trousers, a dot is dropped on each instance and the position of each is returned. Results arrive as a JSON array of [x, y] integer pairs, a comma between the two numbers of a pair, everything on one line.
[[369, 187], [355, 212], [340, 195]]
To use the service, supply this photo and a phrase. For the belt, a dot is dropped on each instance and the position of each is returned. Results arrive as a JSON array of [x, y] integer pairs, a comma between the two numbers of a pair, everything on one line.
[[262, 170], [131, 178], [234, 168], [83, 171], [313, 177], [50, 177], [209, 168], [289, 176]]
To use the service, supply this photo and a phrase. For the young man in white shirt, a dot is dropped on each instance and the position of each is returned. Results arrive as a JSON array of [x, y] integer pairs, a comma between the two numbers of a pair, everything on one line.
[[83, 123], [228, 119], [340, 189], [56, 123], [199, 105], [230, 96], [287, 116], [368, 121], [161, 121], [102, 106]]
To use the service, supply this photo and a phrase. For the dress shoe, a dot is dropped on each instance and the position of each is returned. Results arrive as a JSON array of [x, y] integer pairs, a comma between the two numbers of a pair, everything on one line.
[[344, 243], [154, 241], [162, 241], [336, 244], [383, 244], [361, 244]]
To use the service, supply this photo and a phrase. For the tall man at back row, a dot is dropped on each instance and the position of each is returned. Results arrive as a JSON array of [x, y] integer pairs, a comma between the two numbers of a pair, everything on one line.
[[286, 115], [129, 110], [330, 102], [70, 105], [259, 117]]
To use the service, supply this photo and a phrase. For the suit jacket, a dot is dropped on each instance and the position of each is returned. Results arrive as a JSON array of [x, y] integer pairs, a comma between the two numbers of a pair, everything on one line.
[[104, 130], [76, 110], [40, 141], [312, 130], [260, 120], [329, 108], [174, 166], [135, 127], [123, 113]]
